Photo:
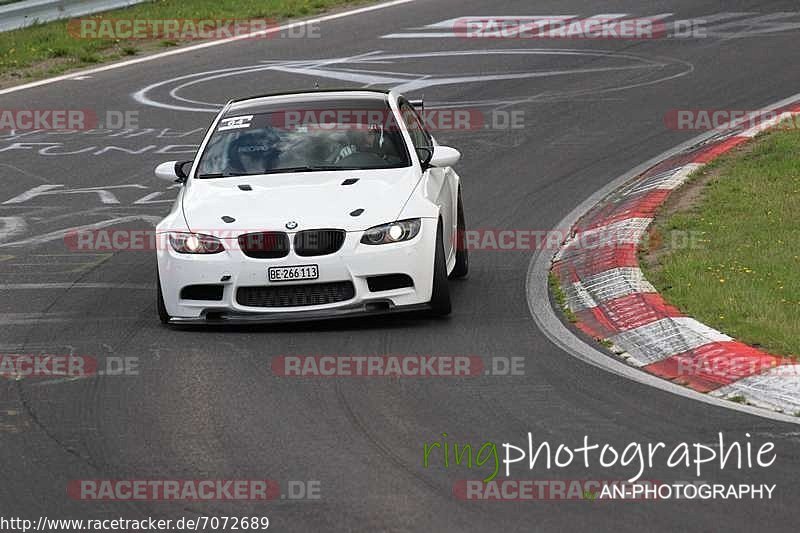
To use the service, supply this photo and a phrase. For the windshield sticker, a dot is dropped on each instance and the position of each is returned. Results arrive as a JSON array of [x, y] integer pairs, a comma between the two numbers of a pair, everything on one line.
[[235, 123]]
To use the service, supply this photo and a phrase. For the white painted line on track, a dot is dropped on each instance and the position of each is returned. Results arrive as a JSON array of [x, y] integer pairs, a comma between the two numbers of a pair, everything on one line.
[[11, 226], [26, 319], [209, 44], [68, 285], [61, 234]]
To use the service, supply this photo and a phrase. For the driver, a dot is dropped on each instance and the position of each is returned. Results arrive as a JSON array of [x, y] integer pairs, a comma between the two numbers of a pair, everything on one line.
[[359, 141]]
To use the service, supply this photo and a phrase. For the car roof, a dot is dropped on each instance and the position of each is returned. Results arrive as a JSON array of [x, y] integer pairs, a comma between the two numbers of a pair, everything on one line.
[[357, 98]]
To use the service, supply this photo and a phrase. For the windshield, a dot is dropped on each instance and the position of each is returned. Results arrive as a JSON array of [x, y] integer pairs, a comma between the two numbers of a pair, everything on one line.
[[304, 140]]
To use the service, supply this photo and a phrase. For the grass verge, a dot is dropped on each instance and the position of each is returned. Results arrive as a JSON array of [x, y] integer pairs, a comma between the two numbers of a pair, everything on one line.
[[560, 297], [48, 49], [736, 260]]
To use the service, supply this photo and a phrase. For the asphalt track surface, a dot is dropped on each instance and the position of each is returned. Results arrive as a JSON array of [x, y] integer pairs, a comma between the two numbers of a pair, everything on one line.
[[206, 403]]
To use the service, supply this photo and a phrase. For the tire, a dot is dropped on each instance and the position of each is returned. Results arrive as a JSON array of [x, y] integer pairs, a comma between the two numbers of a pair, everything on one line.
[[163, 316], [440, 296], [461, 270]]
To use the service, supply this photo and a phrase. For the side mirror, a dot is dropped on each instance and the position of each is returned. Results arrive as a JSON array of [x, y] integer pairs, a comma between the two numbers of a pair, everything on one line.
[[444, 156], [177, 171], [425, 155]]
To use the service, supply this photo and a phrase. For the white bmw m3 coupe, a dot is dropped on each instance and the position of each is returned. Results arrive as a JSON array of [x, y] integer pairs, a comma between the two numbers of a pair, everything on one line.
[[312, 205]]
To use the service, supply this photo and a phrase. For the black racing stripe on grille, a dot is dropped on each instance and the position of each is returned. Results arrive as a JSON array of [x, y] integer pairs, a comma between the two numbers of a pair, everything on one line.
[[265, 244], [310, 243]]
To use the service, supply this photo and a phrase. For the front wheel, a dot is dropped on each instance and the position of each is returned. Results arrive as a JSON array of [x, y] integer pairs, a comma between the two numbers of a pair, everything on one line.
[[440, 297], [462, 255]]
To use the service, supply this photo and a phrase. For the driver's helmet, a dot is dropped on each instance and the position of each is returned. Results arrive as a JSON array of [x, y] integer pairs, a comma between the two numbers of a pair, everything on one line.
[[252, 152], [367, 139]]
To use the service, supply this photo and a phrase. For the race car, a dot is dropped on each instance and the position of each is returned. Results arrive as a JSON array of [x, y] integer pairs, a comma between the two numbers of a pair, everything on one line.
[[312, 205]]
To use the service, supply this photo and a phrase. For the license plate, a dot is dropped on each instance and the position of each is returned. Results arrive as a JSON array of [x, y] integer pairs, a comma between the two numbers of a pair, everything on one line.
[[293, 273]]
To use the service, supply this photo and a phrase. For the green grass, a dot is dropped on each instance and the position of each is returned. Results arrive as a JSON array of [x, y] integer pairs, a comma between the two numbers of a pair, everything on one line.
[[48, 49], [560, 297], [744, 277]]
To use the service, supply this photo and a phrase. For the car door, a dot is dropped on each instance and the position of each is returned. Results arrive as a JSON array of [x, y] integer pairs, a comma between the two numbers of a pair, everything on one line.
[[439, 183]]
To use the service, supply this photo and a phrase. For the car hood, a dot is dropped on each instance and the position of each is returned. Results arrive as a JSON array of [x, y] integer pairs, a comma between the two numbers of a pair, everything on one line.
[[311, 199]]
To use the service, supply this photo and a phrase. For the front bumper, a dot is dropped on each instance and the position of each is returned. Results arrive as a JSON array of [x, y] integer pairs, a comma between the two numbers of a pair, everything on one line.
[[354, 262]]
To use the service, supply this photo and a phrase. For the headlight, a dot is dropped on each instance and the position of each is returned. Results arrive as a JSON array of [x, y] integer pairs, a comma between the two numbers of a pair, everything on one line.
[[195, 243], [402, 230]]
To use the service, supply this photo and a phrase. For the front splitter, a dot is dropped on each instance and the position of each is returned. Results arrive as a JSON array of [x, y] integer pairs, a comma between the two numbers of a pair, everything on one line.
[[225, 317]]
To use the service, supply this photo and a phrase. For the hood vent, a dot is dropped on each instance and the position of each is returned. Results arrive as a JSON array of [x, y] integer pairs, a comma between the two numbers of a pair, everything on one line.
[[245, 188], [356, 213], [350, 181]]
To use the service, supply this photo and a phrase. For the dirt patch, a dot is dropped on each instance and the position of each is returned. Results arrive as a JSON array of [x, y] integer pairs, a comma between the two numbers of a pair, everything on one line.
[[682, 200]]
